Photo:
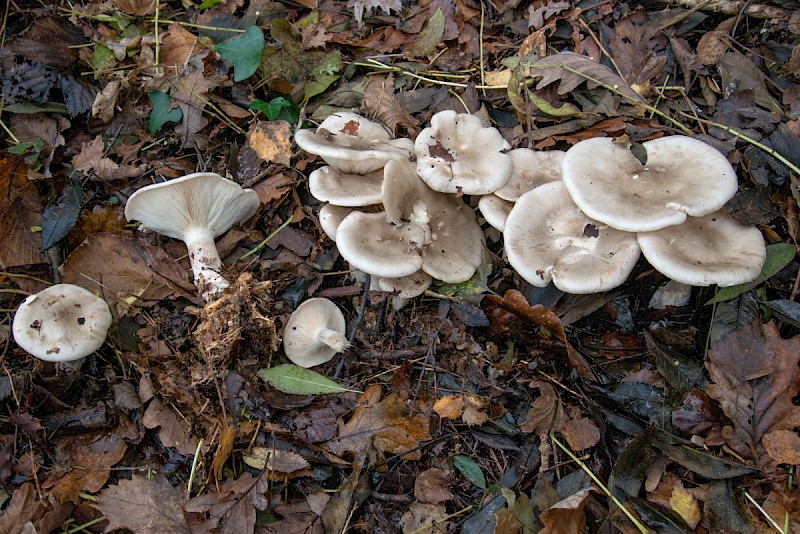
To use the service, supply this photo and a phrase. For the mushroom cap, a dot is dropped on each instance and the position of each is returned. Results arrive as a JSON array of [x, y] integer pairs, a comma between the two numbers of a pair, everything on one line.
[[195, 201], [495, 210], [547, 237], [342, 189], [371, 243], [353, 144], [330, 217], [682, 176], [529, 170], [62, 323], [314, 333], [713, 249], [453, 244], [457, 153], [407, 286]]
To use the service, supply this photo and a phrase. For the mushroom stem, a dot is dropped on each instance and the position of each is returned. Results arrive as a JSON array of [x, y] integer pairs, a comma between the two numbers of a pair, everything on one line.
[[206, 262], [333, 339]]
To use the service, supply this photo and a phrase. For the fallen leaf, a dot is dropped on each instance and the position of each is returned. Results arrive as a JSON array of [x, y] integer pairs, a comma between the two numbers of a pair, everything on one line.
[[144, 506], [173, 430], [25, 514], [566, 516], [380, 102], [105, 103], [191, 97], [783, 446], [232, 509], [275, 460], [360, 6], [433, 485], [178, 45], [425, 518], [683, 502], [271, 141], [546, 413], [92, 158], [449, 407], [223, 452], [580, 433], [91, 461]]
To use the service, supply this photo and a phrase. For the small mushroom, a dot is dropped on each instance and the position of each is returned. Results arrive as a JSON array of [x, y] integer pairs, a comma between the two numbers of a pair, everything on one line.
[[495, 210], [314, 333], [680, 176], [529, 170], [63, 323], [714, 249], [405, 288], [342, 189], [353, 144], [548, 238], [195, 209], [456, 153], [330, 217]]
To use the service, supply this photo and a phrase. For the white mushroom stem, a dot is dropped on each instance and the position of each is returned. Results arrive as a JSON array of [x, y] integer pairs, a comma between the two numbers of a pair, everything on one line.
[[206, 263], [333, 339]]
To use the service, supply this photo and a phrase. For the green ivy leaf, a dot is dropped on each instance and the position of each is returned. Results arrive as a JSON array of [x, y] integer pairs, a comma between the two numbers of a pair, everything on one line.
[[277, 108], [779, 255], [296, 380], [161, 112], [471, 470], [244, 52]]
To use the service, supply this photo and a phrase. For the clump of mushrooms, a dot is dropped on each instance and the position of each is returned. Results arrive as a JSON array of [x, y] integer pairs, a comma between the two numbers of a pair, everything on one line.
[[195, 209], [314, 333], [64, 323]]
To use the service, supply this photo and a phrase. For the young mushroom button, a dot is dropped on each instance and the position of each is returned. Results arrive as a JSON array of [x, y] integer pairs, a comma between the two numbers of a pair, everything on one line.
[[63, 323], [195, 209], [314, 333]]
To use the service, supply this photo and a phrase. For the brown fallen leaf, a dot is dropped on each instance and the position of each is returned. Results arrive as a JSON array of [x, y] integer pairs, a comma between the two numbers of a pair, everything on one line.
[[92, 157], [271, 141], [25, 510], [433, 485], [191, 98], [177, 45], [379, 102], [223, 452], [546, 413], [91, 458], [425, 518], [580, 433], [145, 506], [386, 423], [174, 431], [230, 510], [755, 376], [449, 407], [566, 516]]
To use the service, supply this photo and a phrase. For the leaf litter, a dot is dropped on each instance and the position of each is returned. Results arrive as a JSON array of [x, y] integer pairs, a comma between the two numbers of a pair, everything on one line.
[[443, 415]]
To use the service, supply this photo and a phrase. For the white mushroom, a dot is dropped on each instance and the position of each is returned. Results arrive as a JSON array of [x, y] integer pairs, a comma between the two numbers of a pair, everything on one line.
[[495, 210], [681, 176], [353, 144], [330, 217], [63, 323], [529, 170], [195, 209], [548, 238], [342, 189], [456, 153], [405, 288], [714, 249], [314, 333]]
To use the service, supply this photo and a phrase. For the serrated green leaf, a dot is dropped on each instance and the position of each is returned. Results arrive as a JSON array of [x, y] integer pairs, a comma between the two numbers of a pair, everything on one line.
[[471, 470], [324, 74], [296, 380], [779, 255], [161, 112], [430, 36], [244, 52], [102, 58]]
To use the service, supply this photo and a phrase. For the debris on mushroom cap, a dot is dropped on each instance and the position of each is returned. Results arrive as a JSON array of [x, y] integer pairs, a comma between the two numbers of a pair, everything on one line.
[[452, 250], [330, 217], [495, 210], [548, 238], [195, 209], [63, 323], [353, 144], [314, 333], [342, 189], [529, 170], [681, 176], [456, 153], [713, 249]]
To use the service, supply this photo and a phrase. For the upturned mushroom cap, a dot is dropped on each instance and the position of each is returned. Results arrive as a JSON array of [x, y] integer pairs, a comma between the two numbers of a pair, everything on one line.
[[195, 209], [529, 170], [342, 189], [453, 244], [353, 144], [495, 210], [681, 176], [456, 153], [63, 323], [314, 333], [548, 238], [713, 249]]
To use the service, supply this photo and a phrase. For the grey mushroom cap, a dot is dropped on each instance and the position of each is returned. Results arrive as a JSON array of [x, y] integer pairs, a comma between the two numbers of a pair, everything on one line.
[[353, 144], [681, 177], [713, 249], [456, 153], [330, 217], [547, 237], [530, 169], [406, 287], [63, 323], [495, 210], [342, 189], [314, 333], [195, 209]]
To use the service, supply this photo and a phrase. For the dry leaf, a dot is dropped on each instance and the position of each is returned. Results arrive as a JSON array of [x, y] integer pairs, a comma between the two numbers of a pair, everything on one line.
[[173, 430], [379, 102], [271, 141], [223, 452], [783, 446], [432, 485], [686, 505], [546, 413], [145, 506], [449, 407], [92, 458], [566, 516], [580, 433], [424, 518], [191, 98], [92, 157], [275, 460]]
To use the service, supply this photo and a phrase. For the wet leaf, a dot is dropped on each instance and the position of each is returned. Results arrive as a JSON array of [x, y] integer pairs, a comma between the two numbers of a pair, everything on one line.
[[724, 509], [293, 379], [244, 52], [430, 36], [681, 372], [787, 311], [323, 75], [702, 463], [162, 111], [471, 470], [58, 219], [733, 315], [629, 471]]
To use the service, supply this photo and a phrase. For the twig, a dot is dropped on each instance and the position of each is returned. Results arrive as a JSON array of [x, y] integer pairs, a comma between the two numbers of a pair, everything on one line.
[[267, 239]]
